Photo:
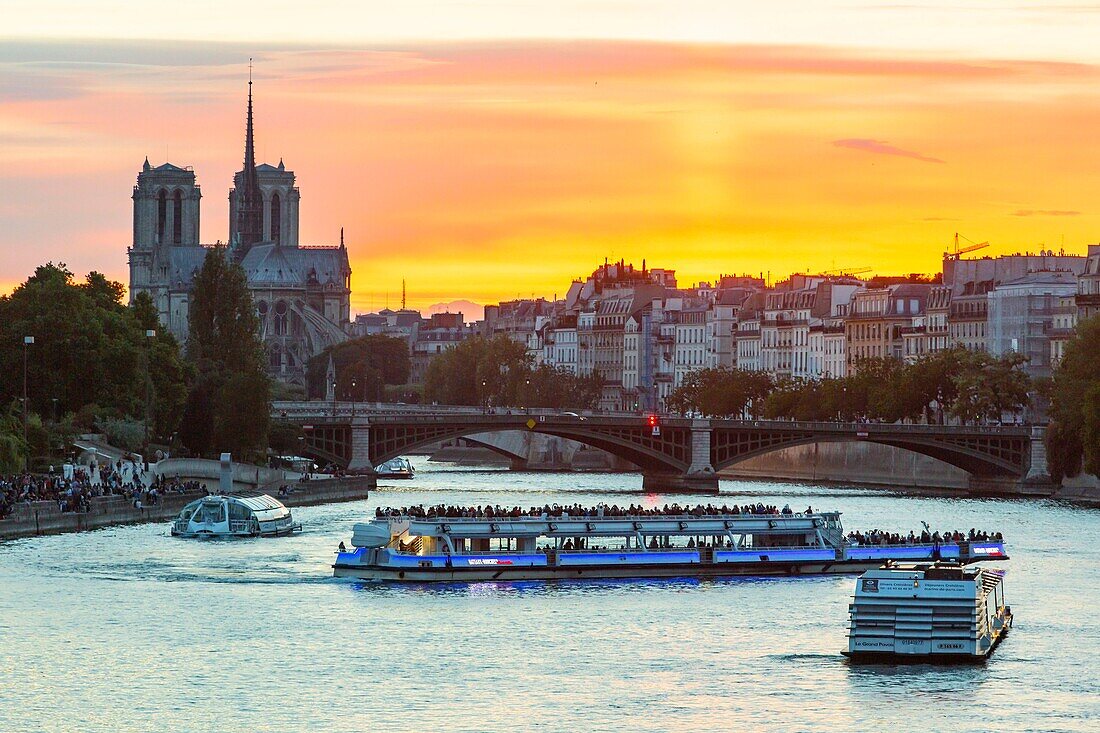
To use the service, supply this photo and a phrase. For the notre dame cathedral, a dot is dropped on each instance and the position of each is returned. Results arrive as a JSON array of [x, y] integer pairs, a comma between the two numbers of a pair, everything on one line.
[[302, 294]]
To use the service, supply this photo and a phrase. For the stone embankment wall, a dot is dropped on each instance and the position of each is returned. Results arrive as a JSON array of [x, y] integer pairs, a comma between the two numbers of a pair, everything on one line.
[[246, 477], [43, 517], [1084, 489]]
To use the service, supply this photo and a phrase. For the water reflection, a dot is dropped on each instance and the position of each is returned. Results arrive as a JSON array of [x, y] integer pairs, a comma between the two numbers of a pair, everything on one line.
[[174, 629]]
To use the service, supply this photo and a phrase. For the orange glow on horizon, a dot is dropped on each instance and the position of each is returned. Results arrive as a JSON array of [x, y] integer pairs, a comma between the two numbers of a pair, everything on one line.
[[490, 171]]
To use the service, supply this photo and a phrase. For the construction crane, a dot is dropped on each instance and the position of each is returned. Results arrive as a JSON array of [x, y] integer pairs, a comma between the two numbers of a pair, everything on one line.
[[963, 250], [847, 271]]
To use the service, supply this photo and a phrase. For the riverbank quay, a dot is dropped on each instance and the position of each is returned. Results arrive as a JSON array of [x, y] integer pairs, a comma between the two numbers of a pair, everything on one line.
[[29, 519]]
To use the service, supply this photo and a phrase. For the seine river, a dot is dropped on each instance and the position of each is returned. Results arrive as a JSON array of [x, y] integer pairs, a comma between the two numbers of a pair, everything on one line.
[[127, 629]]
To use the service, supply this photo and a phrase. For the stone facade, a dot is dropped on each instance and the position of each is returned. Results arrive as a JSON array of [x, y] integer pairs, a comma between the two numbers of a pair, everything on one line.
[[302, 294]]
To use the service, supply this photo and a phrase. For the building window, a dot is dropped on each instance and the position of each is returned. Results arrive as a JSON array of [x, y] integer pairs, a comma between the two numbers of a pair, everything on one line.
[[162, 213], [276, 218], [177, 219], [280, 318]]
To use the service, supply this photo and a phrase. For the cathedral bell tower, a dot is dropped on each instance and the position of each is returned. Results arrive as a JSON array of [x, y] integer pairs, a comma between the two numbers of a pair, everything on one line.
[[166, 214]]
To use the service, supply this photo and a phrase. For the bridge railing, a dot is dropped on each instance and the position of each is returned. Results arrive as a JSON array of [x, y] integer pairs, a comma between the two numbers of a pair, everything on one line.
[[388, 412]]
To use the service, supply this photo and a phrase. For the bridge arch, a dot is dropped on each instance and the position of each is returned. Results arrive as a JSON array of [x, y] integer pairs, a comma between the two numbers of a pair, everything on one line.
[[973, 454], [670, 455]]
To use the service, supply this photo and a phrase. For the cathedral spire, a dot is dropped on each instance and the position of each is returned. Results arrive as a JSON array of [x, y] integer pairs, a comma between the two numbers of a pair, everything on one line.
[[250, 211], [249, 145]]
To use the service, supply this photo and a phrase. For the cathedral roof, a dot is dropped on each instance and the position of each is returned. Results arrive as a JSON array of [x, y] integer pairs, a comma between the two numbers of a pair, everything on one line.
[[169, 168], [270, 264], [183, 264], [266, 265]]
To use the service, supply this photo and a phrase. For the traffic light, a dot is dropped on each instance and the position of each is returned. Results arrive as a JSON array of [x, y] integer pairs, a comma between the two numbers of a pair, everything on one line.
[[654, 425], [653, 421]]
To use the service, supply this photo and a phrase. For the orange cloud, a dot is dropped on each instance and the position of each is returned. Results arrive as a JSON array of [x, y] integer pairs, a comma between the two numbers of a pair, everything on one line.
[[881, 147], [487, 171]]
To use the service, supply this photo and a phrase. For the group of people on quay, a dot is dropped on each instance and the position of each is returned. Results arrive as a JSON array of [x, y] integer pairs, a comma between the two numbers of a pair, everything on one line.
[[599, 511], [73, 491], [878, 537]]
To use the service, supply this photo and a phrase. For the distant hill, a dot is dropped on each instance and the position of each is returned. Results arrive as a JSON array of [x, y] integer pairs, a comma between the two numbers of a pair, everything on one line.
[[470, 311]]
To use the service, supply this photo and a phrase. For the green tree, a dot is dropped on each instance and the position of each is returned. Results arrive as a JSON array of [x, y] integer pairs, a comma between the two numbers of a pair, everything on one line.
[[230, 408], [478, 371], [370, 361], [721, 392], [873, 390], [988, 387], [928, 385], [1073, 437], [498, 371], [90, 354], [167, 377], [12, 447]]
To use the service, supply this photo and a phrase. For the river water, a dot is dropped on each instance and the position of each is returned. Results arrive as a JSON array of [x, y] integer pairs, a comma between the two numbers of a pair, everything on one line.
[[128, 629]]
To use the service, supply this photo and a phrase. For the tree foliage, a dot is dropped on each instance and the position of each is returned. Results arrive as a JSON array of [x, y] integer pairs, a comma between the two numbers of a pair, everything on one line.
[[12, 448], [988, 387], [721, 392], [1073, 438], [969, 386], [90, 353], [371, 362], [498, 372], [229, 405]]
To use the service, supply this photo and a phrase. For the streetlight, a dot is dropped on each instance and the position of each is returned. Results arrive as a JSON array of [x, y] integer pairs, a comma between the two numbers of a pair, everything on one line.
[[484, 385], [527, 394], [353, 399], [27, 341], [334, 398]]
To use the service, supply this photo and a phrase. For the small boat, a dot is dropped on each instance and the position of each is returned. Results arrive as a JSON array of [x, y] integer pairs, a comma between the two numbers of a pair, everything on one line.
[[396, 468], [235, 515], [937, 613], [400, 547]]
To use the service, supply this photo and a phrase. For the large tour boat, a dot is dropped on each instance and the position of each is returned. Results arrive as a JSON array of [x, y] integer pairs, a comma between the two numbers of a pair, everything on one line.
[[927, 613], [235, 515], [404, 547]]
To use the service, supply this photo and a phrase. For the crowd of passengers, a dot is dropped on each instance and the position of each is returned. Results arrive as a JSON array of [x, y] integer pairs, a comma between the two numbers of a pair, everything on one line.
[[74, 493], [576, 510], [878, 537]]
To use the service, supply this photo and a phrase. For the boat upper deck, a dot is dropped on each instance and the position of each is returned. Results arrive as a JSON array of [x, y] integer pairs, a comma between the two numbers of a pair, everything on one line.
[[605, 520], [614, 526]]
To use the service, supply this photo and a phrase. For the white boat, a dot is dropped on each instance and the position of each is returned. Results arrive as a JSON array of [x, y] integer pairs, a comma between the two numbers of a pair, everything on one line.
[[927, 613], [235, 515], [401, 547], [396, 468]]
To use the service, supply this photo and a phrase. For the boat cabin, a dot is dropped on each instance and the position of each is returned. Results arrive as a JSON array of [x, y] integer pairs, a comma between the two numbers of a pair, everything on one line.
[[235, 515]]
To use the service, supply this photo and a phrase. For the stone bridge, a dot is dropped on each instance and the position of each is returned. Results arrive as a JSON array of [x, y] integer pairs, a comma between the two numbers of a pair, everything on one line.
[[680, 455]]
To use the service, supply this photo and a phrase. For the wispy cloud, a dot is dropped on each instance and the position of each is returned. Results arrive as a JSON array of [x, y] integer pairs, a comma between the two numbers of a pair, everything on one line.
[[1045, 212], [881, 147]]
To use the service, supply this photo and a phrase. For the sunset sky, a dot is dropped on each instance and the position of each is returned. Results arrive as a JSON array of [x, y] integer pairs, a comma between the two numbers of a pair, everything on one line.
[[499, 148]]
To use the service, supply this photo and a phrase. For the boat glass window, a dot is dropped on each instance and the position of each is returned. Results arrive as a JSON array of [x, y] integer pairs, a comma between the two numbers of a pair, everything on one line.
[[211, 514], [239, 512]]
